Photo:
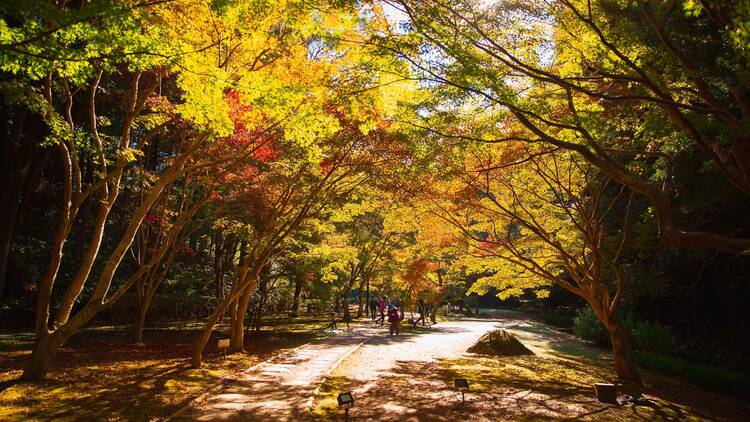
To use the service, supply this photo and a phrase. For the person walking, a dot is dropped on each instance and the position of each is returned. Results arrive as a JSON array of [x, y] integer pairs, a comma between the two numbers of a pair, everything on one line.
[[381, 311], [333, 320], [373, 308], [394, 316], [347, 318]]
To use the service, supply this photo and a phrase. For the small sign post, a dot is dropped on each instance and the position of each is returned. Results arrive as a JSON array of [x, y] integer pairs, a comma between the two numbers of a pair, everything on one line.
[[462, 385], [223, 345]]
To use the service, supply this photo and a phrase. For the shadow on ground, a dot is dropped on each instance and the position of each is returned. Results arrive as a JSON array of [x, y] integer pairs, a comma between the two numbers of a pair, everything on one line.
[[99, 375], [554, 384], [522, 387]]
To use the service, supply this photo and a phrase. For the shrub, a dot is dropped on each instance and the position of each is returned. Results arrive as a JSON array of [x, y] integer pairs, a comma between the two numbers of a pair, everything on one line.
[[558, 319], [587, 326], [655, 338], [716, 379]]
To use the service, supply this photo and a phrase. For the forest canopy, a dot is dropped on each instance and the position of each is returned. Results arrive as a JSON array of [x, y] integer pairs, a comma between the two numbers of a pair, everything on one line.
[[236, 157]]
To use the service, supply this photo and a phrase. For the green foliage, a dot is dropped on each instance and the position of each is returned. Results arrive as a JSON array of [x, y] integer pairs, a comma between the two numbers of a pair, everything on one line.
[[653, 337], [587, 326], [712, 378], [646, 336], [559, 319]]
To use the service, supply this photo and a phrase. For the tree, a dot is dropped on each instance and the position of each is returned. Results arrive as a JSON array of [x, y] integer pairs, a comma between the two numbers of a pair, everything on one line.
[[158, 243], [280, 201], [631, 87], [114, 79], [546, 222]]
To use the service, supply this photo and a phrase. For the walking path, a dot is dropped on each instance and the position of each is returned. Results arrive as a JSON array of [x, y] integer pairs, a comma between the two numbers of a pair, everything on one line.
[[278, 389], [409, 378], [284, 387]]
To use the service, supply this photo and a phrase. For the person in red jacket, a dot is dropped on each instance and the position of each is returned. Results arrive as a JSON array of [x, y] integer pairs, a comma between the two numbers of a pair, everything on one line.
[[394, 316], [381, 310]]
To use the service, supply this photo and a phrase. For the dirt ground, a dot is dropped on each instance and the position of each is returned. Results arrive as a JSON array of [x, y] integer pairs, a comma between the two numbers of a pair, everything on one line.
[[411, 379]]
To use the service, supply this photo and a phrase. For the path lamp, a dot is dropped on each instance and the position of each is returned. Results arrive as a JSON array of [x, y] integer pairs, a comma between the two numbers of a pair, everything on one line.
[[346, 402], [462, 385]]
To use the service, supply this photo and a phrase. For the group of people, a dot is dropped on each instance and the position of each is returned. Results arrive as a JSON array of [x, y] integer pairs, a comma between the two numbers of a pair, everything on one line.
[[394, 314]]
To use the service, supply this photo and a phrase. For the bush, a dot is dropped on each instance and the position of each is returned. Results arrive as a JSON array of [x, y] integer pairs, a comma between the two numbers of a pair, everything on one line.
[[716, 379], [587, 326], [558, 319], [655, 338]]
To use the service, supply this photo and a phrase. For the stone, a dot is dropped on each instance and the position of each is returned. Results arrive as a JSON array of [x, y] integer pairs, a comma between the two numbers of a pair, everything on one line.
[[499, 343]]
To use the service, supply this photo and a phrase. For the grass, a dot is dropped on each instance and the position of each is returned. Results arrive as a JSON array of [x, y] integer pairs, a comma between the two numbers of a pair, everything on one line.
[[98, 375], [714, 379]]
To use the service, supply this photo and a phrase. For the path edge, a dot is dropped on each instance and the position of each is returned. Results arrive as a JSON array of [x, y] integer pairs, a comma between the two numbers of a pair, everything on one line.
[[311, 399], [219, 385]]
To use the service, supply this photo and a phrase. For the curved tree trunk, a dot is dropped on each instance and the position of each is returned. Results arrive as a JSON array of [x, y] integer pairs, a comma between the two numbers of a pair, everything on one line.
[[237, 329], [200, 342], [622, 352], [624, 359]]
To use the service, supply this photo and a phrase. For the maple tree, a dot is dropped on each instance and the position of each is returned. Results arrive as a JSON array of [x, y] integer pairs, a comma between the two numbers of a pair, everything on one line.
[[546, 221], [603, 79], [168, 82]]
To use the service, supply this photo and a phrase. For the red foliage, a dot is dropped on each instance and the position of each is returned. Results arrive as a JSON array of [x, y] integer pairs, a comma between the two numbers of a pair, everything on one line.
[[325, 165], [488, 246], [244, 138]]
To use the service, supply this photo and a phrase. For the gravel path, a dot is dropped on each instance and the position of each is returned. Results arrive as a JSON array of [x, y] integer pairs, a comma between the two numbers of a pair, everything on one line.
[[380, 355], [284, 388], [280, 389], [409, 378]]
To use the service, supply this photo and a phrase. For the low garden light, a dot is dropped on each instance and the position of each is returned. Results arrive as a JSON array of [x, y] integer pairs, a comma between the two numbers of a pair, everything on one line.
[[346, 402], [606, 392], [462, 385]]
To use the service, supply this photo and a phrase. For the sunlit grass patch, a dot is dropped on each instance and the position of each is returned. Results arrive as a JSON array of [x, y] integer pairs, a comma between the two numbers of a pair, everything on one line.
[[535, 372], [101, 376], [325, 404]]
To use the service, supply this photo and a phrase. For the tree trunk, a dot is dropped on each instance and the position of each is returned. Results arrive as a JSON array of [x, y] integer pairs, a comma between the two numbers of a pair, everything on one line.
[[359, 298], [200, 342], [218, 270], [298, 281], [37, 366], [345, 306], [237, 338], [623, 357], [140, 319], [233, 315], [421, 308], [367, 294]]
